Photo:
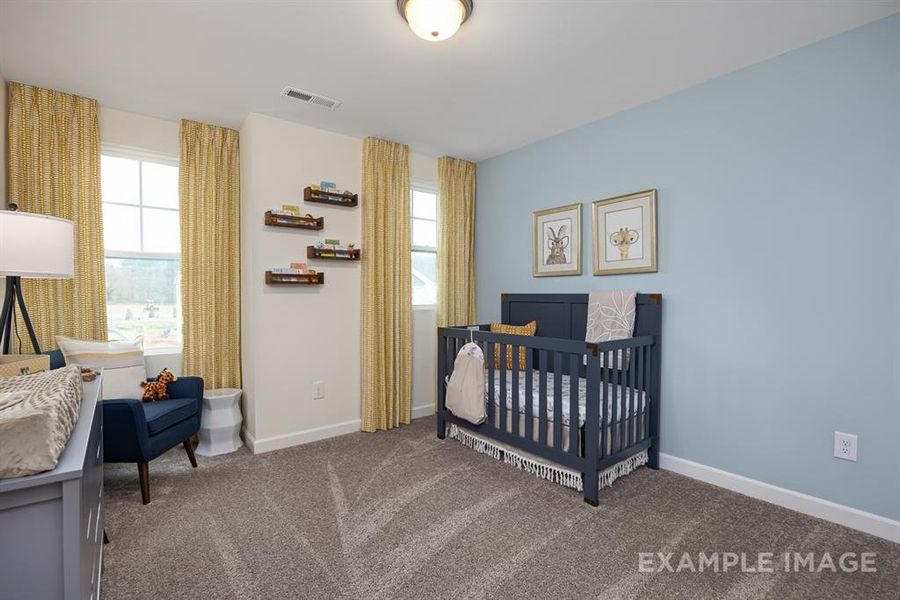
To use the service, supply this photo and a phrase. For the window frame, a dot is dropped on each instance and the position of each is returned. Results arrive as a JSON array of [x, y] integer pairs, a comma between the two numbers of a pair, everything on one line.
[[141, 155], [428, 188]]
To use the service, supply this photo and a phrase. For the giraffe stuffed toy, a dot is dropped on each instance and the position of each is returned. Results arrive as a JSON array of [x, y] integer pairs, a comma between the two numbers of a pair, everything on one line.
[[158, 390]]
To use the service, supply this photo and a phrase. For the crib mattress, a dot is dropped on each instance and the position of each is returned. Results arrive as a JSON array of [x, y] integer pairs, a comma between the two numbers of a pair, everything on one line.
[[37, 416], [624, 401]]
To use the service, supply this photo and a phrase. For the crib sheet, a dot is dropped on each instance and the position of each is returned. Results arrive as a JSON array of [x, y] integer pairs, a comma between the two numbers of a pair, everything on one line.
[[625, 399]]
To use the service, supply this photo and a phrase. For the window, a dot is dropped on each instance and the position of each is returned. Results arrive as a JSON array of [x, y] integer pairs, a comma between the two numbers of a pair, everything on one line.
[[424, 246], [141, 239]]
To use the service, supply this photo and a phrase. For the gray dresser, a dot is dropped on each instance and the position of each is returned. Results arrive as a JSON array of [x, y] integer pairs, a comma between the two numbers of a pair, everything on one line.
[[51, 523]]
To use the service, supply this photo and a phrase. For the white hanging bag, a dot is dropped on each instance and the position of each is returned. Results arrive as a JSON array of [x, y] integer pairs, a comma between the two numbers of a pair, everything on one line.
[[465, 390]]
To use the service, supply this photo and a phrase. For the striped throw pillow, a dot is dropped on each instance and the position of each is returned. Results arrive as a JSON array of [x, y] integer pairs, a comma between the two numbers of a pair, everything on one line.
[[526, 329], [122, 363]]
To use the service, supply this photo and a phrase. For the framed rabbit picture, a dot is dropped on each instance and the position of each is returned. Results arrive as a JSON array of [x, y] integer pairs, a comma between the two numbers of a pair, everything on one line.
[[557, 241], [625, 234]]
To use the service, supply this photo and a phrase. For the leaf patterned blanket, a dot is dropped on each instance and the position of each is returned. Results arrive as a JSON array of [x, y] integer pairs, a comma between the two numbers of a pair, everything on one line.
[[38, 415], [610, 317]]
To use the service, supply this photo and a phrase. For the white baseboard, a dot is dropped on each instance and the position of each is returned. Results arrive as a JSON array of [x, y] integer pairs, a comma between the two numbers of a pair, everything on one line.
[[249, 440], [259, 446], [422, 411], [277, 442], [873, 524]]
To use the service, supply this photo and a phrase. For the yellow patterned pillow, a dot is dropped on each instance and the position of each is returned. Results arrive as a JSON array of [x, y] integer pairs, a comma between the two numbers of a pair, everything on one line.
[[527, 329]]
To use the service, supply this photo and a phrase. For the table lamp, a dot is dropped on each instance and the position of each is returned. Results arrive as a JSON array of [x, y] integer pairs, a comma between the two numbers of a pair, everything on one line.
[[31, 246]]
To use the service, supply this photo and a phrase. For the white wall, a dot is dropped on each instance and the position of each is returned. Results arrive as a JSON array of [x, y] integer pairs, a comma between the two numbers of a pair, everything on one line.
[[423, 169], [131, 130], [293, 336], [424, 367], [2, 142]]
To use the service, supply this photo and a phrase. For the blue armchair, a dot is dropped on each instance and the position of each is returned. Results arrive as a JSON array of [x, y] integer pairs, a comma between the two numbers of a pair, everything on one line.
[[136, 431]]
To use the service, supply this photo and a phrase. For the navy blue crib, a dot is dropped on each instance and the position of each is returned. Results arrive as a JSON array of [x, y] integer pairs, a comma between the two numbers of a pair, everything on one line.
[[619, 413]]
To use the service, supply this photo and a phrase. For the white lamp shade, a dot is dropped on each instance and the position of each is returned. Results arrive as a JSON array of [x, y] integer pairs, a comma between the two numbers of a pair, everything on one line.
[[38, 246]]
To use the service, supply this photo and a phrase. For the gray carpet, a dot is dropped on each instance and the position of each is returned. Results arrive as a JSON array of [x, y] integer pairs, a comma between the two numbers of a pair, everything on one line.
[[402, 514]]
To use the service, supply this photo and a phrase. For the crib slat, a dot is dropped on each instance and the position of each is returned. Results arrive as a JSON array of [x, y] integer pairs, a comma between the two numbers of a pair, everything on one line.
[[632, 396], [644, 354], [491, 371], [639, 386], [441, 386], [604, 402], [557, 400], [623, 442], [648, 368], [623, 400], [529, 395], [542, 398], [451, 357], [515, 392], [614, 435], [574, 414], [503, 397], [626, 400]]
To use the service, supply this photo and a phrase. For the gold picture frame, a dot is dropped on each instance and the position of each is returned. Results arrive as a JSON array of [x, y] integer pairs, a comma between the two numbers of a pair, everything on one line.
[[624, 230], [556, 241]]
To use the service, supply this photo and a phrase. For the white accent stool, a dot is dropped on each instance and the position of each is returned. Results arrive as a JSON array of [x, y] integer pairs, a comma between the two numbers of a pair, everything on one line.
[[220, 422]]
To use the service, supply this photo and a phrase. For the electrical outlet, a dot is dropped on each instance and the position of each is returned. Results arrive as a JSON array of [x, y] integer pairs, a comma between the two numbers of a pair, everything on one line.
[[318, 390], [845, 446]]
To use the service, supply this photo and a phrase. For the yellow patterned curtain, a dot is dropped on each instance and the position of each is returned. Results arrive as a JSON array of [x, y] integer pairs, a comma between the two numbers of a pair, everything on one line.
[[54, 169], [386, 286], [456, 256], [210, 197]]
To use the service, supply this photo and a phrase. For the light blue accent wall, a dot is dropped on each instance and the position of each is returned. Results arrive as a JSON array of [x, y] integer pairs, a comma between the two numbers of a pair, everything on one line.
[[779, 257]]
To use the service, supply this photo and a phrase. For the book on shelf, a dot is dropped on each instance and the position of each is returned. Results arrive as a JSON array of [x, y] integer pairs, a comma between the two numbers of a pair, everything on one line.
[[286, 271]]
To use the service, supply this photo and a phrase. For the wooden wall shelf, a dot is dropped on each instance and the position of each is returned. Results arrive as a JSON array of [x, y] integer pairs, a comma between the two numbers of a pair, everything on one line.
[[289, 279], [311, 195], [327, 253], [294, 222]]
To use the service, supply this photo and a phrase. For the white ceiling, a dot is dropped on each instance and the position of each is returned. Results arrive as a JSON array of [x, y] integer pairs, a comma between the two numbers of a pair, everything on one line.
[[516, 72]]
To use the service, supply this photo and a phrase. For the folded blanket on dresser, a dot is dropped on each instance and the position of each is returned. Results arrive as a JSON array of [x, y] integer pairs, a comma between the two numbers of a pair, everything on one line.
[[37, 415]]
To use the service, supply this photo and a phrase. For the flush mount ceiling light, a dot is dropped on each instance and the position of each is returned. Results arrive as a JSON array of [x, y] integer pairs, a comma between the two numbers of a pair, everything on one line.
[[435, 20]]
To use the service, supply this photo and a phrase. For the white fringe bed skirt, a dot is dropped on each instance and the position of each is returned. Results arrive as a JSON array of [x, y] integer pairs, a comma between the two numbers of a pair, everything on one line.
[[540, 467]]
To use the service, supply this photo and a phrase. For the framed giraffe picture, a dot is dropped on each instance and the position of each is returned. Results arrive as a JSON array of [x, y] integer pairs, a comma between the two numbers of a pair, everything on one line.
[[556, 242], [625, 234]]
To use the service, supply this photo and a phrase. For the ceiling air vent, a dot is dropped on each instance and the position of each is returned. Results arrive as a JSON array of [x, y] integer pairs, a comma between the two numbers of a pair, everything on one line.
[[310, 98]]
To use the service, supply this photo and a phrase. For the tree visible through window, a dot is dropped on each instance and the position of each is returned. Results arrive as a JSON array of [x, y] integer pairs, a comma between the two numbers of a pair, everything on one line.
[[424, 246], [142, 247]]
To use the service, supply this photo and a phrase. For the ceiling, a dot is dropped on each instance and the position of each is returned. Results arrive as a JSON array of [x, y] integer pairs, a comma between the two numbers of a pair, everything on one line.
[[516, 72]]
